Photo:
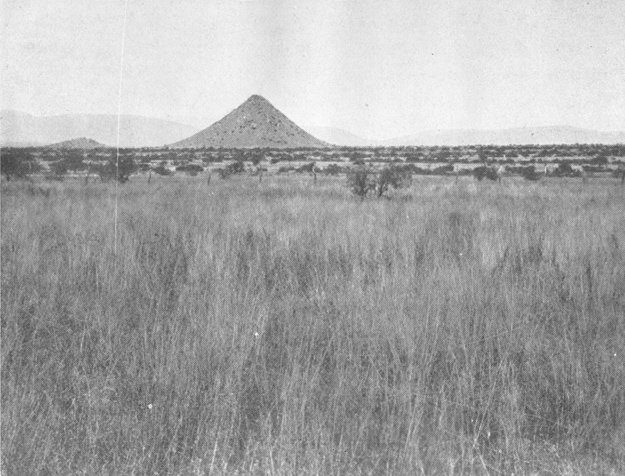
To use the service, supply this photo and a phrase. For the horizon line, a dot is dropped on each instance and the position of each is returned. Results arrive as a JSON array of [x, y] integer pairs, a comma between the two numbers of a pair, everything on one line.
[[200, 128]]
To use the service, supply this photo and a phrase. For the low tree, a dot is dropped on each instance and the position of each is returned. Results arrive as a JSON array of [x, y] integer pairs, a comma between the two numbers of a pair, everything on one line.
[[360, 181], [119, 169], [395, 177], [255, 157], [620, 174], [482, 155], [529, 173], [125, 168], [59, 168], [232, 168], [363, 180], [74, 160]]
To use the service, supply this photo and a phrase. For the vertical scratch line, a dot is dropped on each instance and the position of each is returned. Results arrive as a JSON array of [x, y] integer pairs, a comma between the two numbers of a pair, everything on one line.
[[119, 113]]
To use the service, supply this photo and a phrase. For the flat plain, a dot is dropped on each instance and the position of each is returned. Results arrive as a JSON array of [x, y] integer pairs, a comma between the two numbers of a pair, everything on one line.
[[285, 327]]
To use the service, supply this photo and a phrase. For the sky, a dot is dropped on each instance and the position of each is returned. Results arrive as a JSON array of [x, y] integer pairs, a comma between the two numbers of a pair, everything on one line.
[[378, 69]]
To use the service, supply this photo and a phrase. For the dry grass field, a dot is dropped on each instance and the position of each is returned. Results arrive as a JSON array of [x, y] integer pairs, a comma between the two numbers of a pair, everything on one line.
[[286, 328]]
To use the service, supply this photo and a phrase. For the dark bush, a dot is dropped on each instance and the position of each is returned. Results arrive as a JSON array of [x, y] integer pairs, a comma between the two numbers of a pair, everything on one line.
[[527, 172], [161, 170], [594, 168], [190, 168], [58, 168], [235, 167], [333, 169], [306, 168], [232, 168], [483, 172], [74, 160], [442, 170], [600, 160], [255, 158], [420, 171], [565, 170]]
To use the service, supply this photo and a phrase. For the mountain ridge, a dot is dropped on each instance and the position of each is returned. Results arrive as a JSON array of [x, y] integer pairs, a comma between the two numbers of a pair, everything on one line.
[[541, 135], [134, 131], [22, 129], [338, 136]]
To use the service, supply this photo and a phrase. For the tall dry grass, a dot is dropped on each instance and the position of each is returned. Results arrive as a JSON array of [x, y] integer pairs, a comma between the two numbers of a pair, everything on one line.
[[281, 328]]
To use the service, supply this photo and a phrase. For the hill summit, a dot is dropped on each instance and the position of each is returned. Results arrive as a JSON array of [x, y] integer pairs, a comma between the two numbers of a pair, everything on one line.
[[80, 143], [255, 123]]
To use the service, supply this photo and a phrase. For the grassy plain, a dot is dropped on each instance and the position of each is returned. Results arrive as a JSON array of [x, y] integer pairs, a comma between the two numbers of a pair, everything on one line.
[[287, 328]]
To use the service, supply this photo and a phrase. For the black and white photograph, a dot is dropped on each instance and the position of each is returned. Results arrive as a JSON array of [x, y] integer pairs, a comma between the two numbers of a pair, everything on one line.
[[312, 237]]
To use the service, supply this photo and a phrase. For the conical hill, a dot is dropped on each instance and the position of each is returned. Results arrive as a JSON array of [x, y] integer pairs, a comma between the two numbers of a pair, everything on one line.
[[255, 123]]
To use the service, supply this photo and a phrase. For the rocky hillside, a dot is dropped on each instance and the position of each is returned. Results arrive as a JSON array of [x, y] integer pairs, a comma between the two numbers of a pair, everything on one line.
[[255, 123]]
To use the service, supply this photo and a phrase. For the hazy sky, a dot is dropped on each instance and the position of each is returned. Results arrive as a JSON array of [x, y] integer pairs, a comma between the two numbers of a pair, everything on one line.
[[376, 68]]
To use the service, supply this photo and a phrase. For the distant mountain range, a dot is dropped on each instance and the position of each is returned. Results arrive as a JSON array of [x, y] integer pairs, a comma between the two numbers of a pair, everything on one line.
[[337, 136], [459, 137], [22, 129], [255, 123], [523, 135]]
